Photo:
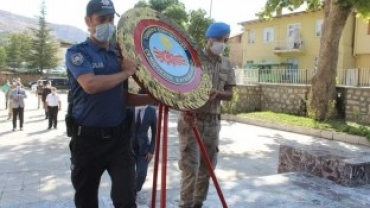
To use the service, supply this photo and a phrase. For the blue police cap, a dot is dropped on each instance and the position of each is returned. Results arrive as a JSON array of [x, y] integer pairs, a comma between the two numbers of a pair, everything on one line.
[[217, 29], [100, 7]]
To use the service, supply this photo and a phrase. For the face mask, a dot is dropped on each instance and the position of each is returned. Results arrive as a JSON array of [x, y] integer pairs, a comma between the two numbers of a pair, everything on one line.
[[217, 48], [104, 32]]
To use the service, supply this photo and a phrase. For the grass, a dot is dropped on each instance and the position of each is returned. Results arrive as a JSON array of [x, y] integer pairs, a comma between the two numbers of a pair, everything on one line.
[[329, 125]]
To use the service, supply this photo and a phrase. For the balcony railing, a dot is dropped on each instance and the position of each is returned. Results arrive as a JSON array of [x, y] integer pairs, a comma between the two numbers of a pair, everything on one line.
[[345, 77], [289, 46]]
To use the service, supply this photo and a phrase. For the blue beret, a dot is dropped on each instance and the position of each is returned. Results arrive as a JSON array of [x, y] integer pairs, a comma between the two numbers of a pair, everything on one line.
[[217, 29]]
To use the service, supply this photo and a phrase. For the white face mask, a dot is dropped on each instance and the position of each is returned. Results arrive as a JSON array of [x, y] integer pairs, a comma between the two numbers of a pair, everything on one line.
[[217, 48], [104, 32]]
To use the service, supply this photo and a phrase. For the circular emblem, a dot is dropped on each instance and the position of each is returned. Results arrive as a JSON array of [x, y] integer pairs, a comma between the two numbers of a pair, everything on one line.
[[174, 70], [77, 59]]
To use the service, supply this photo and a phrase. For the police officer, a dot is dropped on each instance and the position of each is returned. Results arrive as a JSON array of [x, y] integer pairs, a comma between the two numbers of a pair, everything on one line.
[[100, 135], [194, 173]]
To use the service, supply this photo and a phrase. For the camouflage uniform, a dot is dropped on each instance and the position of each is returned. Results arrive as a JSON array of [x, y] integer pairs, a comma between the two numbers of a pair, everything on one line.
[[195, 175]]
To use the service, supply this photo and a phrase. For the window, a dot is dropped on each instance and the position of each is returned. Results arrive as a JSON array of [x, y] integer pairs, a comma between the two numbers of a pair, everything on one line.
[[249, 64], [318, 27], [268, 35], [251, 36]]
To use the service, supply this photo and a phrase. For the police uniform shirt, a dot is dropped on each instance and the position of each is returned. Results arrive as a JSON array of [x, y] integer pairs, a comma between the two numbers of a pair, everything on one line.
[[101, 109], [52, 99]]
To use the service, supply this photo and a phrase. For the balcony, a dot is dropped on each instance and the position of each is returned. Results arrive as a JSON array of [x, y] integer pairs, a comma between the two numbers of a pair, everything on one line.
[[289, 47]]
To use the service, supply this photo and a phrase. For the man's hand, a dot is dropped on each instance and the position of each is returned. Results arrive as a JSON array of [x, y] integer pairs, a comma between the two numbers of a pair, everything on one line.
[[190, 118], [213, 94], [149, 157], [129, 66]]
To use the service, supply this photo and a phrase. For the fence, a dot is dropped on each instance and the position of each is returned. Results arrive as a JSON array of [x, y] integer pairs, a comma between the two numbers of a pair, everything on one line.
[[346, 77]]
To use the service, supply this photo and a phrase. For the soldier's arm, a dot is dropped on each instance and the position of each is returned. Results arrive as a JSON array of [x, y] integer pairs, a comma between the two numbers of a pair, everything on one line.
[[225, 95]]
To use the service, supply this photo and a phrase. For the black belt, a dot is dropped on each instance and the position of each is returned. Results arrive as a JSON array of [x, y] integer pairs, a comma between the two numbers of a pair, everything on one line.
[[103, 132]]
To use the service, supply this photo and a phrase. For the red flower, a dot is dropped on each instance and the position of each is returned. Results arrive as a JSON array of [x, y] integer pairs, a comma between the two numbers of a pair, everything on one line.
[[168, 58]]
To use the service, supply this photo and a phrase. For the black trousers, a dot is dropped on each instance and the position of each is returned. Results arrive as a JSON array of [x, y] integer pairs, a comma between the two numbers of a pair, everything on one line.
[[53, 116], [91, 155], [18, 112]]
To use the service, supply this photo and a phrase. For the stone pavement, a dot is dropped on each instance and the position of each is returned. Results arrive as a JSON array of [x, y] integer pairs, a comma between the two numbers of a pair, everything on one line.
[[34, 168]]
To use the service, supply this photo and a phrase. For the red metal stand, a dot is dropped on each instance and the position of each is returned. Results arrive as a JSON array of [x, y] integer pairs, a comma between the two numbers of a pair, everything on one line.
[[163, 113]]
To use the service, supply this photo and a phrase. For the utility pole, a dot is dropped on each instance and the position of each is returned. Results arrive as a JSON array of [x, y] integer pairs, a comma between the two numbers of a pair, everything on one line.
[[210, 10]]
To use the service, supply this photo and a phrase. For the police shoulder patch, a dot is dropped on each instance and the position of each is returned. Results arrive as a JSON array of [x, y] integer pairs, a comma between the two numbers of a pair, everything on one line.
[[77, 59]]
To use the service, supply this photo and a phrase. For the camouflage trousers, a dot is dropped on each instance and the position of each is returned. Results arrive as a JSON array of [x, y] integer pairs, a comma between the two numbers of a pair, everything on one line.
[[194, 173]]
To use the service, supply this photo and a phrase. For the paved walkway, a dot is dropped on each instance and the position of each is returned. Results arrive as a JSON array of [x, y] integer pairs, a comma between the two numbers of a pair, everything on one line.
[[34, 168]]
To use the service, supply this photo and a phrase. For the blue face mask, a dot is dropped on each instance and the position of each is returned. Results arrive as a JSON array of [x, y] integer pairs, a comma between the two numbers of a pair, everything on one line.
[[104, 32]]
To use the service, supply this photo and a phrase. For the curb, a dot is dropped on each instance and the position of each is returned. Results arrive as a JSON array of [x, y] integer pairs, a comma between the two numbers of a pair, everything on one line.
[[337, 136]]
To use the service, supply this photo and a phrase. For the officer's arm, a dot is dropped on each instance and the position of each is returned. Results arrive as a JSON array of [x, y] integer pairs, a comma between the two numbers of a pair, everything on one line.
[[93, 84], [138, 99]]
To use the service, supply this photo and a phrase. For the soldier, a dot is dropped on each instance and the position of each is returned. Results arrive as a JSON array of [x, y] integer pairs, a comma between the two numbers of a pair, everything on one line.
[[194, 173]]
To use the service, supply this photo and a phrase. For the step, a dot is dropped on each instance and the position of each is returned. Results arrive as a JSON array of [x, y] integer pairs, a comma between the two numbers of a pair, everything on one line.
[[346, 168]]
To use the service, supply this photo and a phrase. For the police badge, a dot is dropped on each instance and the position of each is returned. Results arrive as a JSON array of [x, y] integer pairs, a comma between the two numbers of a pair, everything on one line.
[[77, 59]]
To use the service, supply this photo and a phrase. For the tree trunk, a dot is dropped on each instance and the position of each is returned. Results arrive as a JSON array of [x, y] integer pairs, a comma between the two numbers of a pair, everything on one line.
[[323, 91]]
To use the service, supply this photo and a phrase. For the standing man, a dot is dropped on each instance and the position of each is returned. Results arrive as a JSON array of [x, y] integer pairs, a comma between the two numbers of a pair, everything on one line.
[[195, 175], [100, 124], [54, 105], [45, 92], [6, 88], [145, 118], [39, 91], [17, 97]]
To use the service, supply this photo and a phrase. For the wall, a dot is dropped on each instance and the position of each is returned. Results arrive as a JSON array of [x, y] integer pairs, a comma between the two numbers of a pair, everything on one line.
[[283, 98], [357, 104], [363, 61], [236, 51], [362, 37]]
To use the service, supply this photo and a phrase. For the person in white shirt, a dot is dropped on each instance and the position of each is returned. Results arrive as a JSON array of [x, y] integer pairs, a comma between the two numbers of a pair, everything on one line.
[[53, 106]]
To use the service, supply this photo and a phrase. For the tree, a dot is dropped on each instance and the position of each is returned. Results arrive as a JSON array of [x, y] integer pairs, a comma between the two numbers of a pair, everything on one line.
[[141, 4], [2, 58], [161, 5], [17, 49], [177, 13], [198, 25], [336, 13], [44, 48]]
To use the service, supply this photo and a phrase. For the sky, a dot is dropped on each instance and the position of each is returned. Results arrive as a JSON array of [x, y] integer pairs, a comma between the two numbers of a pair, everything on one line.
[[72, 12]]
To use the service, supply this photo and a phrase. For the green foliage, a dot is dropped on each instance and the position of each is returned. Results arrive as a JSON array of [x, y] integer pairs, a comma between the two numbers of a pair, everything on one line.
[[141, 4], [362, 6], [44, 48], [3, 58], [328, 125], [194, 22], [17, 48], [161, 5], [198, 25], [230, 107], [177, 13]]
